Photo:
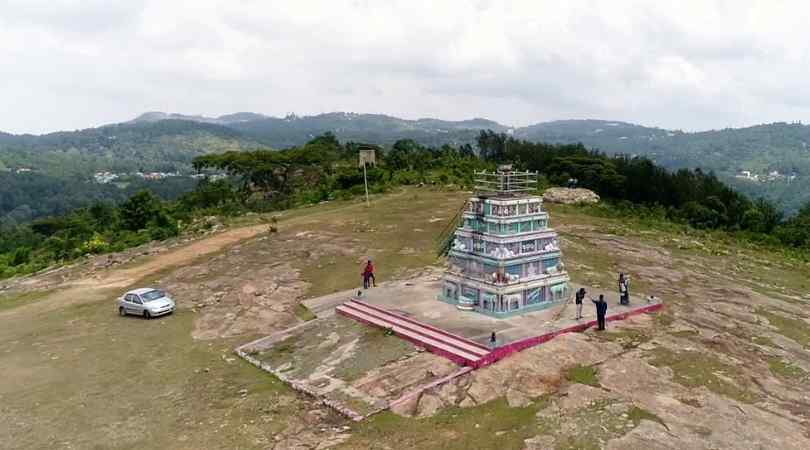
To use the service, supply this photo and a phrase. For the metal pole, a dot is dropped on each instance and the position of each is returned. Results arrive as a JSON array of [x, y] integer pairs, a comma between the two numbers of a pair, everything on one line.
[[365, 180]]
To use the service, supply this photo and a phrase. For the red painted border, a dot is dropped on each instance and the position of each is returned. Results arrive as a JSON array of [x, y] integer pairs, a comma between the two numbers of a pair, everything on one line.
[[421, 324], [502, 352], [506, 350]]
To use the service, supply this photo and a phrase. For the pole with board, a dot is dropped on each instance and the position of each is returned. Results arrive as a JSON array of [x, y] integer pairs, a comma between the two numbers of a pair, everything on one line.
[[367, 155], [365, 180]]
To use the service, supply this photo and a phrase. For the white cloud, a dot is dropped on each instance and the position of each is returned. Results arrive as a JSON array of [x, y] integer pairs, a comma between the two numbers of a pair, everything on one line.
[[689, 65]]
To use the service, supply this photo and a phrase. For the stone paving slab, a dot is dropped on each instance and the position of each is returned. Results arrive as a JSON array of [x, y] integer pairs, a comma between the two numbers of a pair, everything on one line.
[[353, 368]]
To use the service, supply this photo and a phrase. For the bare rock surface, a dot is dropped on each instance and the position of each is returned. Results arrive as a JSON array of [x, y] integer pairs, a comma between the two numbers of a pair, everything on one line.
[[722, 366]]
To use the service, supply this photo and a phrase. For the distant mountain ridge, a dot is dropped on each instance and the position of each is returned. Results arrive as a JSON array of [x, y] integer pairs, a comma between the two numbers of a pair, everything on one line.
[[475, 123], [168, 141], [292, 130], [155, 116]]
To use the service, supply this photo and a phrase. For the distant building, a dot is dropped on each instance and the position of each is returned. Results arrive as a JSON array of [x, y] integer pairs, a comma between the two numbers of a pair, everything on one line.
[[747, 175], [105, 177], [156, 175]]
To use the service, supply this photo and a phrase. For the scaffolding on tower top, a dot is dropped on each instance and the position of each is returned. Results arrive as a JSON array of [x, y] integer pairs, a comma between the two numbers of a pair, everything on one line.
[[505, 182]]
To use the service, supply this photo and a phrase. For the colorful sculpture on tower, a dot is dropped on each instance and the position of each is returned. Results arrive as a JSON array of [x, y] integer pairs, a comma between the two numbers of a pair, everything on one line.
[[505, 259]]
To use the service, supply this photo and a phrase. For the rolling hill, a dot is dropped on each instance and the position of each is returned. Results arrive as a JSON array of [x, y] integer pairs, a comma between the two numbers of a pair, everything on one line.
[[777, 154], [292, 130]]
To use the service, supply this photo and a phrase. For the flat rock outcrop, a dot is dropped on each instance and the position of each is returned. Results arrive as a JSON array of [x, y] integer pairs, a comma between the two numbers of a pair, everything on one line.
[[570, 196]]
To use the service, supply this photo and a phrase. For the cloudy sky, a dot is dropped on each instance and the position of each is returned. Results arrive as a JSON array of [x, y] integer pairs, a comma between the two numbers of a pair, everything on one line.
[[69, 64]]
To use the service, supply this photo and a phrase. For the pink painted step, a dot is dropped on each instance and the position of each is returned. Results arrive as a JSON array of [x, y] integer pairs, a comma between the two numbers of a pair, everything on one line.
[[456, 348], [419, 328], [421, 324], [440, 347]]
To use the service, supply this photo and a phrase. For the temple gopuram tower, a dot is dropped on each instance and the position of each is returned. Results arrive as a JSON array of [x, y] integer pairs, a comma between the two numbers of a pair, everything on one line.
[[505, 260]]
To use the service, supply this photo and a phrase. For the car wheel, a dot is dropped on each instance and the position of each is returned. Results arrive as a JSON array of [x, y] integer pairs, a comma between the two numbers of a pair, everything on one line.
[[146, 315], [121, 311]]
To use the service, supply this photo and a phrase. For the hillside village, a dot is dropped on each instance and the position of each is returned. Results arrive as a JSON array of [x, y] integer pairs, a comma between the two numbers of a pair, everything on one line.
[[771, 176]]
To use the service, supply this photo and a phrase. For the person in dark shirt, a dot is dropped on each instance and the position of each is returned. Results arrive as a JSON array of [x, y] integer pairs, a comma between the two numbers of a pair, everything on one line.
[[601, 311], [578, 298]]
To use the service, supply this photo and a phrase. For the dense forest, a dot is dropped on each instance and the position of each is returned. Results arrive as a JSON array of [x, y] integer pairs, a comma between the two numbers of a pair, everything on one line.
[[32, 195], [168, 146], [783, 148], [53, 173], [325, 169]]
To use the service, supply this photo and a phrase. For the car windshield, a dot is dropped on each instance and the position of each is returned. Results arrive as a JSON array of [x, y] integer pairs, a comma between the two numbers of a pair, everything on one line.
[[152, 295]]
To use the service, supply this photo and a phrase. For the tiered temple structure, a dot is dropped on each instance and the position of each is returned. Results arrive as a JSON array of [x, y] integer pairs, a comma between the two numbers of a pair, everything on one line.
[[505, 259]]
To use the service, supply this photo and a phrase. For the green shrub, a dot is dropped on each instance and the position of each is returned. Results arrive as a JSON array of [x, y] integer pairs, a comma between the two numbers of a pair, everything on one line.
[[97, 244], [21, 256]]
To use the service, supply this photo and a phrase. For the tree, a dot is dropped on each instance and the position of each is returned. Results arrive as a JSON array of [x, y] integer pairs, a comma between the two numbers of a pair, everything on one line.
[[402, 154], [492, 146], [139, 210], [804, 211], [771, 217], [700, 216], [103, 215]]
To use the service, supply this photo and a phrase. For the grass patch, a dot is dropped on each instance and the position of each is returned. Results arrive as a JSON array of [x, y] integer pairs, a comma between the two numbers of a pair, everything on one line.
[[596, 424], [763, 340], [491, 425], [694, 369], [11, 301], [68, 387], [686, 334], [583, 375], [398, 232], [303, 313], [795, 329], [637, 414], [785, 369]]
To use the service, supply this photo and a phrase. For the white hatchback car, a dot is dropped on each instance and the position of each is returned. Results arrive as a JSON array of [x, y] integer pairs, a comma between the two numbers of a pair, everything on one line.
[[146, 302]]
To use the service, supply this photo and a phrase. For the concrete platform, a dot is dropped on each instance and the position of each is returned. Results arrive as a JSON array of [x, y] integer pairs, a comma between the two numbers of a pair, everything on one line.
[[353, 367], [416, 299]]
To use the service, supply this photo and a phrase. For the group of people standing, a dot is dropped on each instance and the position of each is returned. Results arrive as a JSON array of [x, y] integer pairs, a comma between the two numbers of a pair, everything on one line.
[[579, 296], [600, 303]]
